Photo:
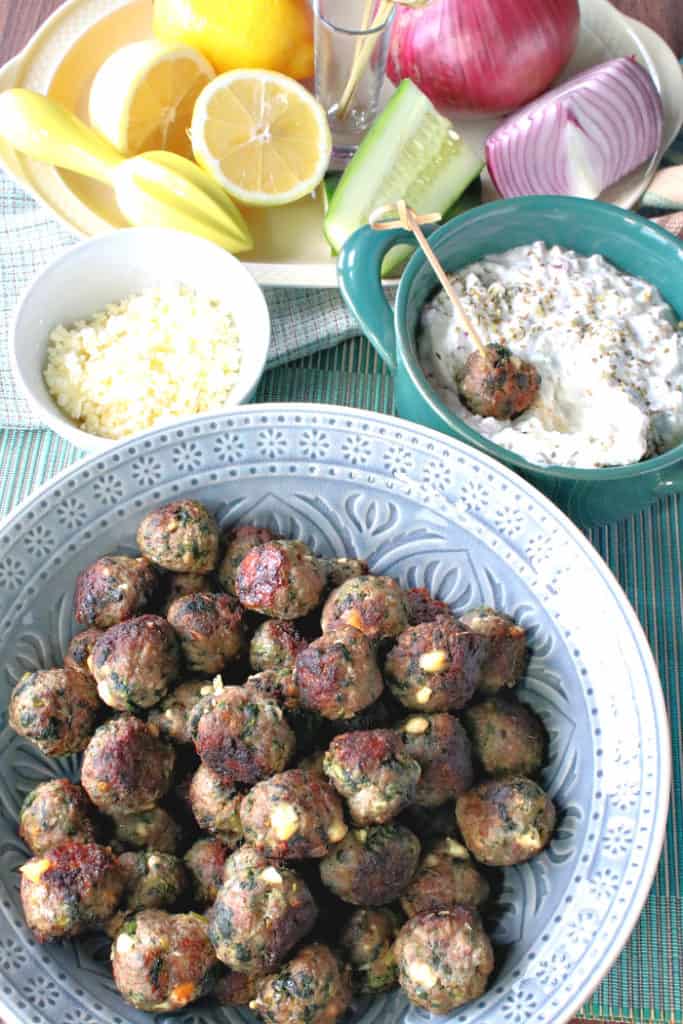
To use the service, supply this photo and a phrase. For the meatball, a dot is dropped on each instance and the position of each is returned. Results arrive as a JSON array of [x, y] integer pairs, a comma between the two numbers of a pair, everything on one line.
[[240, 737], [172, 716], [113, 589], [181, 537], [245, 858], [182, 584], [126, 767], [135, 662], [440, 746], [275, 645], [435, 666], [313, 987], [374, 773], [444, 959], [281, 579], [238, 544], [153, 880], [498, 384], [216, 805], [55, 709], [339, 570], [79, 650], [375, 605], [277, 685], [235, 989], [506, 821], [205, 861], [446, 878], [293, 815], [148, 830], [507, 737], [260, 913], [422, 607], [162, 961], [337, 675], [380, 715], [371, 866], [56, 812], [367, 943], [70, 889], [505, 661], [209, 627]]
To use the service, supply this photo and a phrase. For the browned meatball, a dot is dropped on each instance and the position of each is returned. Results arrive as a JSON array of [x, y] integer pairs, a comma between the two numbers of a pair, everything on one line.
[[440, 746], [367, 943], [153, 880], [182, 584], [172, 716], [446, 877], [281, 579], [56, 812], [56, 710], [209, 627], [375, 605], [506, 821], [79, 650], [375, 774], [444, 959], [498, 384], [371, 866], [240, 737], [162, 961], [507, 737], [505, 662], [238, 544], [313, 987], [339, 570], [148, 830], [126, 767], [260, 913], [292, 816], [135, 662], [205, 861], [436, 666], [182, 536], [275, 684], [337, 675], [235, 989], [246, 858], [422, 607], [70, 889], [275, 645], [216, 806], [114, 588]]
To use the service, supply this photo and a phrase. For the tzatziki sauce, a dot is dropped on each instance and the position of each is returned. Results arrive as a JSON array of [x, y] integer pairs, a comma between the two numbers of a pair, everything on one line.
[[608, 348]]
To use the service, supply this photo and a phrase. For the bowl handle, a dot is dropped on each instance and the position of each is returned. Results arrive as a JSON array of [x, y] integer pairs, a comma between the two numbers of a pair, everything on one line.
[[359, 271]]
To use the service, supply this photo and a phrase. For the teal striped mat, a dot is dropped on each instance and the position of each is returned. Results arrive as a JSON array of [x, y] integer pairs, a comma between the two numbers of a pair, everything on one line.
[[646, 984]]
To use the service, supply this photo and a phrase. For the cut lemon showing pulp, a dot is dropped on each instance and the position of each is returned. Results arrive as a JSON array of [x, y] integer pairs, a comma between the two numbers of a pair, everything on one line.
[[143, 96], [262, 136]]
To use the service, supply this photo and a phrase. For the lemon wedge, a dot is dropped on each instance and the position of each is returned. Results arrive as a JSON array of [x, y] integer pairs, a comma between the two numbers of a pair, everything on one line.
[[143, 96], [262, 136]]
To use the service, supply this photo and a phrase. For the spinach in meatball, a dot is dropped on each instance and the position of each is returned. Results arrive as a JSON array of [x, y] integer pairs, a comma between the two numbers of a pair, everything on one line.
[[126, 767], [135, 662], [337, 675], [113, 589], [238, 544], [374, 605], [209, 627], [506, 821], [371, 866], [507, 737], [313, 987], [56, 812], [275, 645], [182, 584], [445, 878], [148, 830], [55, 709], [281, 579], [374, 772], [80, 649], [153, 880], [181, 537], [440, 746], [339, 570], [505, 662], [215, 805], [172, 716], [367, 943], [205, 861], [422, 607]]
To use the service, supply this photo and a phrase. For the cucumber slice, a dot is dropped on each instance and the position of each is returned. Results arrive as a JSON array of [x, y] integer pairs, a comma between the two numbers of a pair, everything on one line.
[[411, 152]]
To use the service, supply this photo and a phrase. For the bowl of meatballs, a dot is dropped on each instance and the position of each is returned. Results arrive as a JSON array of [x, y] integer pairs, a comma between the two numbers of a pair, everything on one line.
[[312, 740]]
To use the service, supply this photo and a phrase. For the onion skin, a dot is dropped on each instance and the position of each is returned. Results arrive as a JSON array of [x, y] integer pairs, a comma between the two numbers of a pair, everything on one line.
[[482, 57]]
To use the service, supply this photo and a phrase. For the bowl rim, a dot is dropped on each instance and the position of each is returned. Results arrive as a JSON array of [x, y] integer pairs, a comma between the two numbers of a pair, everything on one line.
[[48, 411], [530, 204]]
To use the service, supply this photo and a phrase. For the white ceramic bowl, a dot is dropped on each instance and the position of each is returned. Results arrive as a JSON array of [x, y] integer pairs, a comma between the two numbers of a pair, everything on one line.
[[107, 269]]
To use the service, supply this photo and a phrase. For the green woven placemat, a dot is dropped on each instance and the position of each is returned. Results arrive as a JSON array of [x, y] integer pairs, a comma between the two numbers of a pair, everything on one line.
[[646, 983]]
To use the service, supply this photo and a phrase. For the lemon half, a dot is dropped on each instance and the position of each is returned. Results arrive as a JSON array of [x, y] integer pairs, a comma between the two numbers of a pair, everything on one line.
[[262, 136]]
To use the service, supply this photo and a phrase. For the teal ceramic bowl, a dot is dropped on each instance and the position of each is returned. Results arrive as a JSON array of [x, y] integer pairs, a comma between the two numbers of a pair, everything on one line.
[[631, 243]]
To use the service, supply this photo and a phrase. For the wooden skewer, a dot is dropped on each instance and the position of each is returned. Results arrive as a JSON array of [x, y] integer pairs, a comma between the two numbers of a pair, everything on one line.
[[411, 221]]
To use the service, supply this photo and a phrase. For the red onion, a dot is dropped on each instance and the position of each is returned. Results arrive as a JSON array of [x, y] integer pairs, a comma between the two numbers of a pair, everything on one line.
[[581, 137], [482, 56]]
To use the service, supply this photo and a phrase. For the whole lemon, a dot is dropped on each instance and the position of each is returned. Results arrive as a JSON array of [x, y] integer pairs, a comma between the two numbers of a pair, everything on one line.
[[272, 34]]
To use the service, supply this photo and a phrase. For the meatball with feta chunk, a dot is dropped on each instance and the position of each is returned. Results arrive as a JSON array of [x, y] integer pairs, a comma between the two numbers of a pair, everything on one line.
[[216, 805], [56, 812], [135, 662], [506, 821], [80, 649], [445, 878], [205, 861], [374, 605], [182, 584], [182, 536], [259, 915], [339, 570], [238, 544], [337, 675], [367, 943], [435, 666], [55, 709], [440, 746], [153, 880], [371, 866], [498, 383], [70, 889], [375, 774], [444, 959], [506, 658], [209, 627], [422, 607], [148, 830], [507, 737], [113, 589], [172, 716], [241, 737], [281, 579], [275, 645], [126, 767], [313, 987], [292, 816], [163, 962]]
